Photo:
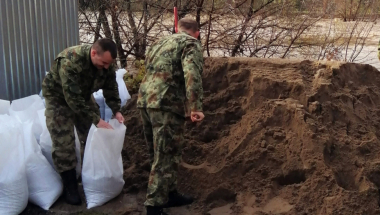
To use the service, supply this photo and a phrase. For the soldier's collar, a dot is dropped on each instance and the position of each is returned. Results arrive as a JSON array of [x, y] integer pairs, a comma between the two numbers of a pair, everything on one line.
[[91, 64], [184, 32]]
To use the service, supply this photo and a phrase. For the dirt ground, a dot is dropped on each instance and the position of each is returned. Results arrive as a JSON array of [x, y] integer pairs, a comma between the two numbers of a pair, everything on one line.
[[280, 137]]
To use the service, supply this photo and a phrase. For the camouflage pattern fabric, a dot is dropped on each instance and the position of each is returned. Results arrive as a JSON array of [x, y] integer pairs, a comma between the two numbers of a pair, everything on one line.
[[68, 89], [74, 78], [60, 121], [173, 79], [164, 134]]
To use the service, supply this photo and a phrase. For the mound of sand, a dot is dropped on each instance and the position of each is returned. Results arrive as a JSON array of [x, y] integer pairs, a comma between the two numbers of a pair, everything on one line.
[[279, 137]]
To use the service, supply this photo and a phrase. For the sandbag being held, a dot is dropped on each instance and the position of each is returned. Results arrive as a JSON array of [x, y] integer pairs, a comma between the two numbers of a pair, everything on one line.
[[102, 173]]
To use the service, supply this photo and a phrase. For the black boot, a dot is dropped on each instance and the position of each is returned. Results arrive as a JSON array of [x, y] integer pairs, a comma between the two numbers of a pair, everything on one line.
[[70, 187], [177, 199], [151, 210]]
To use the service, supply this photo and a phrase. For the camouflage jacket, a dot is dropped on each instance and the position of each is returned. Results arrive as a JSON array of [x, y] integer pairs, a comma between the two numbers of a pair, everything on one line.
[[173, 79], [73, 78]]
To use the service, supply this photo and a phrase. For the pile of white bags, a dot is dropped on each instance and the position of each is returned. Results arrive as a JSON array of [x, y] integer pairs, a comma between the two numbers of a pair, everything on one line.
[[44, 185], [13, 180], [102, 173], [4, 106], [25, 109], [26, 165], [105, 111]]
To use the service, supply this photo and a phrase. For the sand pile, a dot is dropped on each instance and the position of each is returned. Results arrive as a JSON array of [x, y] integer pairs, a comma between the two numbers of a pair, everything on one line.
[[279, 137]]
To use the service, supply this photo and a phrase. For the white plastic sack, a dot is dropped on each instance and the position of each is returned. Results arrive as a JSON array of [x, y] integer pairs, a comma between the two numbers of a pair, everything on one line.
[[4, 106], [105, 111], [25, 109], [42, 97], [102, 173], [44, 183], [123, 92], [46, 143], [98, 96], [13, 182]]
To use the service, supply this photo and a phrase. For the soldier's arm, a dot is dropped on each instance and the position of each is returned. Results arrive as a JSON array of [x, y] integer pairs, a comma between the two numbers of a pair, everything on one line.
[[111, 91], [192, 64], [69, 75]]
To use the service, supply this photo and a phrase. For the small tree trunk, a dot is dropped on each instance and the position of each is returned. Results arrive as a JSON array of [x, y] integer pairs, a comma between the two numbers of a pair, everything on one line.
[[198, 17], [104, 21], [243, 28], [209, 29], [97, 30], [145, 25], [116, 34]]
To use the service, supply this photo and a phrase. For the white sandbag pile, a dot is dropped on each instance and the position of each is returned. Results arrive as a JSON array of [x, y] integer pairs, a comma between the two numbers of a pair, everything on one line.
[[13, 180], [102, 173], [25, 109], [4, 106], [26, 165], [44, 183], [25, 172]]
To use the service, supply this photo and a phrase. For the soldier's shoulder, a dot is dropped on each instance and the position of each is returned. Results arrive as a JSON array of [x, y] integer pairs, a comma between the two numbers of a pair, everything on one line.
[[75, 53]]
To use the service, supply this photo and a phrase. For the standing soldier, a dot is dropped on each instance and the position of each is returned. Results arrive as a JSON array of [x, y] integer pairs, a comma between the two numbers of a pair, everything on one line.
[[76, 73], [170, 91]]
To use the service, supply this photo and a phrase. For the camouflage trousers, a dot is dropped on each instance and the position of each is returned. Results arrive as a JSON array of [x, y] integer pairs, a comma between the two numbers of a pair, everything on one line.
[[60, 121], [164, 135]]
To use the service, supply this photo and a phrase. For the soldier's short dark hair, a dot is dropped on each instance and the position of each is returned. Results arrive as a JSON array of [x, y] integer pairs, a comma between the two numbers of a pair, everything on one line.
[[105, 44], [188, 24]]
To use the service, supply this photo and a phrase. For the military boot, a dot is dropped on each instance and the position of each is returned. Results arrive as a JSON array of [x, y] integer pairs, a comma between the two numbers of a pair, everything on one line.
[[177, 199], [152, 210], [70, 187]]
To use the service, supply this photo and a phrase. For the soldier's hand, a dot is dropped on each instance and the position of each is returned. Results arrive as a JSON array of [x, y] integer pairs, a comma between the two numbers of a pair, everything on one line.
[[196, 116], [119, 117], [103, 124]]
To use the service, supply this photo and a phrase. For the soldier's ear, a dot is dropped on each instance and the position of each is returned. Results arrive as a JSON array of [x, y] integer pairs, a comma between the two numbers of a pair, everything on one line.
[[196, 34], [93, 52]]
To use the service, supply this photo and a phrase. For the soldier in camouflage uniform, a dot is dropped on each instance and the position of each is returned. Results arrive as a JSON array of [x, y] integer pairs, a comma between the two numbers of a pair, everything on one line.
[[76, 73], [170, 91]]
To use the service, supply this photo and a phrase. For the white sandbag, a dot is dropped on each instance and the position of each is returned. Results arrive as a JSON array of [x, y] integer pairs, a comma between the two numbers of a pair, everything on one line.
[[4, 106], [44, 183], [123, 91], [46, 143], [102, 173], [98, 96], [25, 109], [13, 181], [42, 98], [105, 111]]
